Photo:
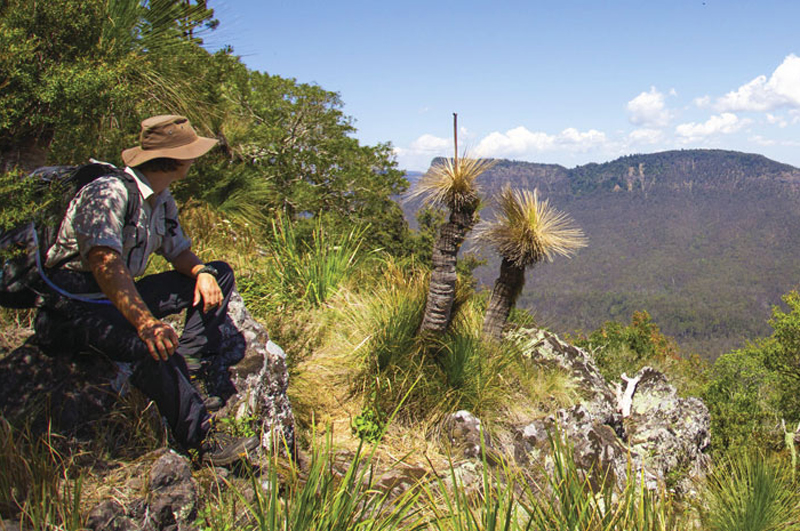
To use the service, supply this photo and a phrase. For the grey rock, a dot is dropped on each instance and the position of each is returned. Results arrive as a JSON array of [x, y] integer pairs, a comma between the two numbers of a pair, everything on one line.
[[548, 350], [596, 447], [669, 434], [260, 378], [110, 515], [665, 437], [462, 431], [172, 494]]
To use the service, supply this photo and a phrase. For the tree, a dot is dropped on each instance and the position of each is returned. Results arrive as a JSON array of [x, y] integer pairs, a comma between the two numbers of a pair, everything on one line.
[[753, 388], [289, 151], [449, 183], [527, 231], [71, 70]]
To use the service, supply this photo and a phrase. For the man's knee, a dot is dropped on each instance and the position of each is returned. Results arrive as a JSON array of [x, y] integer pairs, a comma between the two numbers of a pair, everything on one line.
[[225, 276]]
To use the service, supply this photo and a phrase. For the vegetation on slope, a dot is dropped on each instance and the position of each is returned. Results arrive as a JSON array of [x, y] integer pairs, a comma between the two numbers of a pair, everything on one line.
[[325, 260]]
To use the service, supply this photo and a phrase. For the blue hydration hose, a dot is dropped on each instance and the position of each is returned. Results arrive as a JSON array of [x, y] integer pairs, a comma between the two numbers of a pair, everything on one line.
[[92, 298]]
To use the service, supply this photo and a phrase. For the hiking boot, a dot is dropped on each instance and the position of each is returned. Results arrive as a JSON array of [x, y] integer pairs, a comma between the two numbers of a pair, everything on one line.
[[198, 375], [221, 449]]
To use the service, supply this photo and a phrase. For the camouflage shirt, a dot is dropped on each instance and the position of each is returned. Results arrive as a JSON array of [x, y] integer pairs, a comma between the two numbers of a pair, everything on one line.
[[96, 217]]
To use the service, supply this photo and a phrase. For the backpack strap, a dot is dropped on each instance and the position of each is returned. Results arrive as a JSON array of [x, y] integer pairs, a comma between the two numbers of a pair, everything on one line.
[[132, 210]]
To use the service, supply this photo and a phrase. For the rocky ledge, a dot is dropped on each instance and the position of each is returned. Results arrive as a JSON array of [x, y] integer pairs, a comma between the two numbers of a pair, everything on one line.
[[640, 421]]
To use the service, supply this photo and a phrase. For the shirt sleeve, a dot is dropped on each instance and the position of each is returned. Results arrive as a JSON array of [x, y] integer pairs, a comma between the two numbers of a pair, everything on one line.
[[100, 215], [175, 241]]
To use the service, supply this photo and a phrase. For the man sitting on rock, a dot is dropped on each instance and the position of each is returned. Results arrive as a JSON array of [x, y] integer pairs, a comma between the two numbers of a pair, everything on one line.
[[96, 251]]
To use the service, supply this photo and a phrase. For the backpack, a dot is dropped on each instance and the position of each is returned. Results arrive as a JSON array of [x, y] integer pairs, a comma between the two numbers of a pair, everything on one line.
[[23, 248]]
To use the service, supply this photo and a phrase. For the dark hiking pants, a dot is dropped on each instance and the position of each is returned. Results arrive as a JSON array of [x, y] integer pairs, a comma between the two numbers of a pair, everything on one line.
[[66, 324]]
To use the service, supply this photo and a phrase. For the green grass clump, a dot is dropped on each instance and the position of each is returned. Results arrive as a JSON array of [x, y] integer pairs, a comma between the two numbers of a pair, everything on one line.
[[325, 496], [38, 489], [312, 271], [749, 492]]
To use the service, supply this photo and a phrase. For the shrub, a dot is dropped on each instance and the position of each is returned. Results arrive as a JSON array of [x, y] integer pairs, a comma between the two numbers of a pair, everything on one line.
[[742, 400]]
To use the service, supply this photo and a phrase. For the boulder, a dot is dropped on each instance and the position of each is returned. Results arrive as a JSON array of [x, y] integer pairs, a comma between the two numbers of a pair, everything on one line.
[[597, 450], [548, 350], [171, 503], [664, 436], [667, 433], [172, 494], [462, 433], [260, 377]]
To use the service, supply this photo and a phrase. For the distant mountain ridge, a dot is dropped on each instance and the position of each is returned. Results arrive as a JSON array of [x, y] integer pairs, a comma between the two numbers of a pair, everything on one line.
[[670, 170], [705, 240]]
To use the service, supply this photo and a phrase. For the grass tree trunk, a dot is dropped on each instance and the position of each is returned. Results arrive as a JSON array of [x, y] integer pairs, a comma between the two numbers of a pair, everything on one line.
[[442, 287], [507, 288]]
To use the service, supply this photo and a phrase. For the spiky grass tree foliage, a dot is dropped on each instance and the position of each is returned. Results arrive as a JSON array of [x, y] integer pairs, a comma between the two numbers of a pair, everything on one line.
[[526, 231], [449, 184]]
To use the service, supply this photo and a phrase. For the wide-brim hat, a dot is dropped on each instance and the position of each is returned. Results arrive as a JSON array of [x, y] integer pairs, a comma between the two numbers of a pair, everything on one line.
[[167, 136]]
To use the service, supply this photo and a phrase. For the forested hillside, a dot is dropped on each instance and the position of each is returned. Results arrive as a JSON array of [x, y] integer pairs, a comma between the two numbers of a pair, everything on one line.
[[706, 241], [387, 422]]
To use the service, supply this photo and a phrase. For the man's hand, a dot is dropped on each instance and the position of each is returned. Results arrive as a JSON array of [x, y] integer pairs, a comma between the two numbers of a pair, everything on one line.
[[160, 338], [117, 283], [207, 290]]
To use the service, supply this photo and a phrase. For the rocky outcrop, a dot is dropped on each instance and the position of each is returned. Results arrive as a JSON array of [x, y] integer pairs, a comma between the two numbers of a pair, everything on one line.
[[260, 377], [72, 392], [664, 436], [667, 433], [171, 501], [462, 434]]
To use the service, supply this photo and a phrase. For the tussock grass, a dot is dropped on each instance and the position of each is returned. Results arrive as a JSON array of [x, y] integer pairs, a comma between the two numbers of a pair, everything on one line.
[[312, 271], [749, 492], [387, 359], [329, 493], [38, 486], [510, 500]]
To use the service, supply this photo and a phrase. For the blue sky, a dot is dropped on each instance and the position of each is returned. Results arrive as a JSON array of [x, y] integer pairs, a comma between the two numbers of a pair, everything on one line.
[[565, 82]]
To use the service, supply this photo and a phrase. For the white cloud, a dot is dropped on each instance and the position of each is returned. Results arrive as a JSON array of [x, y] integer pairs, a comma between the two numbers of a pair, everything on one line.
[[760, 140], [725, 123], [520, 141], [430, 143], [648, 109], [762, 94], [702, 102], [418, 154], [780, 121], [645, 136]]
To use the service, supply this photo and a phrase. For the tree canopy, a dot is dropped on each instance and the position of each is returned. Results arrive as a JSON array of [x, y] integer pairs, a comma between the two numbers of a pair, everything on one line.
[[77, 77]]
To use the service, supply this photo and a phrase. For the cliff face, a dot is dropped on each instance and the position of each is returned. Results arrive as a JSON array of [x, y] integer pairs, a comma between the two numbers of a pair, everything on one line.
[[705, 240]]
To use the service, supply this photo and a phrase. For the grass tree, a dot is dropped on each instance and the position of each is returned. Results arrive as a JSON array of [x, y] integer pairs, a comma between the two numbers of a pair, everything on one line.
[[450, 183], [526, 231]]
